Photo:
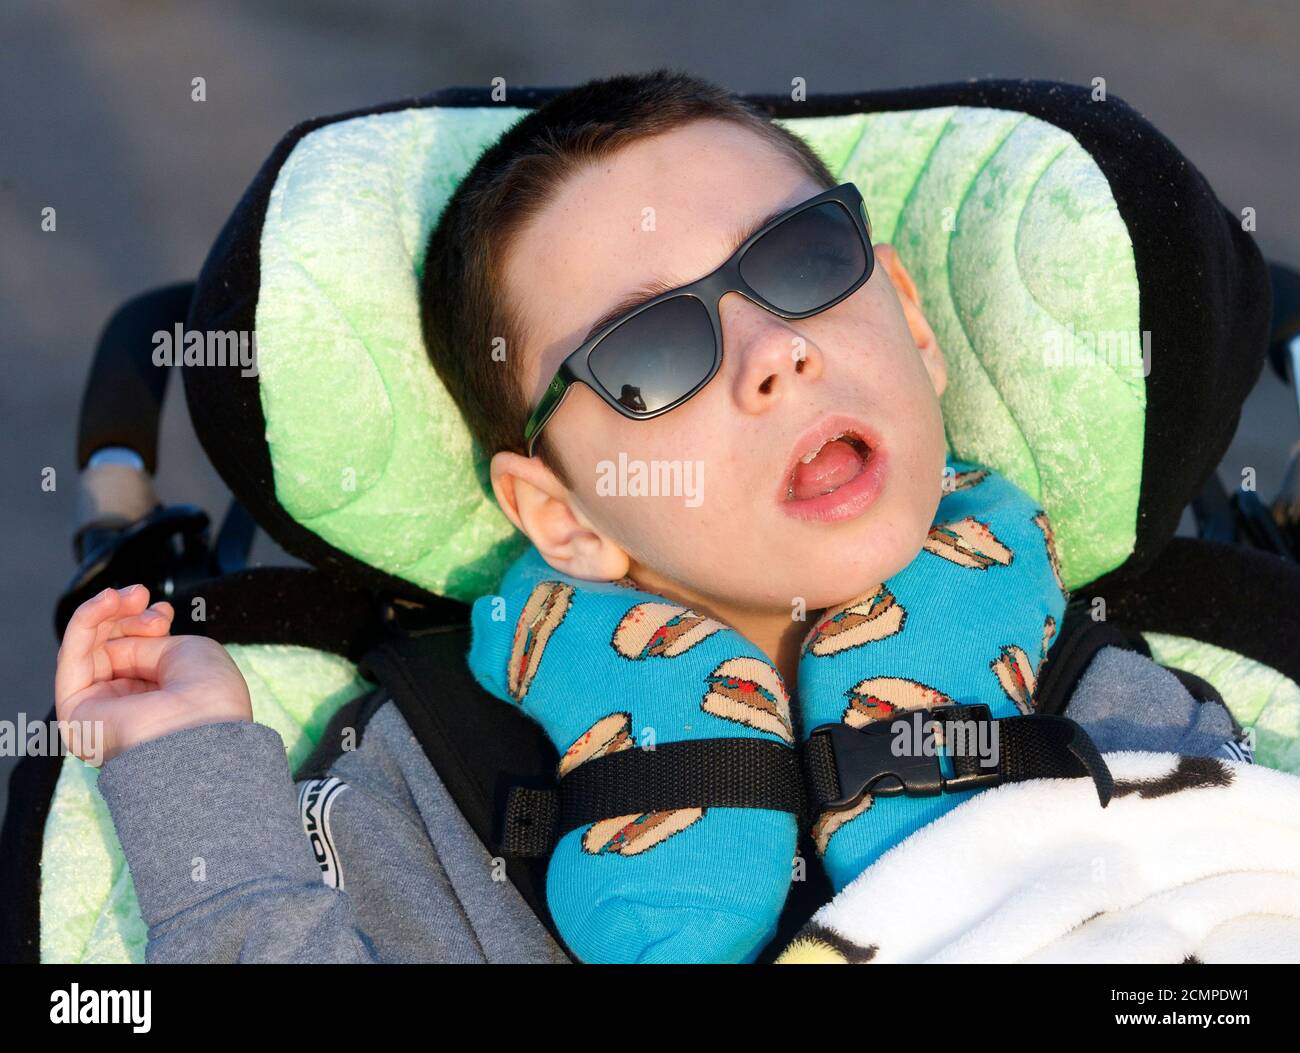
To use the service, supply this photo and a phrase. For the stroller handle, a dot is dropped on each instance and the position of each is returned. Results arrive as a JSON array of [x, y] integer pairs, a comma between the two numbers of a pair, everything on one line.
[[117, 433], [124, 391]]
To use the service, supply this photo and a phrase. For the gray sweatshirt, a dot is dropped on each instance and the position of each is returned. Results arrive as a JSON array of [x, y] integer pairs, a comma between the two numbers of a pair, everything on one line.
[[234, 862]]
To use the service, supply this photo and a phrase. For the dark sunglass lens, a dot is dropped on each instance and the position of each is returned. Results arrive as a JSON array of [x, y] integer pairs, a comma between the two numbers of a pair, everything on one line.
[[657, 356], [808, 260]]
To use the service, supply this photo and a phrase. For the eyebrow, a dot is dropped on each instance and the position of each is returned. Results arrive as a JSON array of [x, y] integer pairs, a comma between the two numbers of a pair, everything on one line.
[[649, 290]]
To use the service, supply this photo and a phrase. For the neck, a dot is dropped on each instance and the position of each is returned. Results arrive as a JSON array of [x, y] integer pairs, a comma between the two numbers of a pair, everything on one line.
[[777, 635], [774, 632]]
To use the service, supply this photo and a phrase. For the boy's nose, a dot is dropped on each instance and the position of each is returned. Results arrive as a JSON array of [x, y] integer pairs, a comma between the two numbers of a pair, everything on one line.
[[773, 355]]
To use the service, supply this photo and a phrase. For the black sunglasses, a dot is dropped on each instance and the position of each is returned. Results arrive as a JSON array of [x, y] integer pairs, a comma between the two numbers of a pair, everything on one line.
[[657, 355]]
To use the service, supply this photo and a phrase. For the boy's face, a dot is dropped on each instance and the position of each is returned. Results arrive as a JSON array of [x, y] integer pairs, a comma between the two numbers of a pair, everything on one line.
[[670, 207]]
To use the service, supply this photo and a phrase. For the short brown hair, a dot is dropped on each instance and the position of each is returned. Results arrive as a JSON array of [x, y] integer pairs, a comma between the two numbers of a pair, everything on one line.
[[463, 306]]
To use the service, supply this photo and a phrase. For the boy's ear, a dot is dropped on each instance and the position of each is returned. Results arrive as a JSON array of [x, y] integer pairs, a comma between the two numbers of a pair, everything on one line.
[[922, 334], [543, 509]]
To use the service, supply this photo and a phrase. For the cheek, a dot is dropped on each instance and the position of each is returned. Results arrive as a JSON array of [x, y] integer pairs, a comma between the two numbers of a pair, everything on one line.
[[871, 351], [659, 488], [691, 532], [892, 375]]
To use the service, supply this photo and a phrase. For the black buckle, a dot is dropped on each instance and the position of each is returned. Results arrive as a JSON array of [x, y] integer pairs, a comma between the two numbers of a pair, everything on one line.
[[866, 761]]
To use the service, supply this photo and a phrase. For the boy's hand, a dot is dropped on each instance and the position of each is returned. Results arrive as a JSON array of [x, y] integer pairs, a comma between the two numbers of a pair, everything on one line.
[[119, 668]]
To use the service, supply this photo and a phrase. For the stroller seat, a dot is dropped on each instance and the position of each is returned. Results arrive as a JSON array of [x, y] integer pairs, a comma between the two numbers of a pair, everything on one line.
[[1103, 317]]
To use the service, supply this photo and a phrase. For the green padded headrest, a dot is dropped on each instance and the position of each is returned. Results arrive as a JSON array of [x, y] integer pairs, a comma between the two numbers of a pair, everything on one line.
[[1055, 237], [1004, 220]]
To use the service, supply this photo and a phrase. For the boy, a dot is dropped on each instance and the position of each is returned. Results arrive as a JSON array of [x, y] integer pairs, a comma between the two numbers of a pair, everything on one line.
[[610, 194]]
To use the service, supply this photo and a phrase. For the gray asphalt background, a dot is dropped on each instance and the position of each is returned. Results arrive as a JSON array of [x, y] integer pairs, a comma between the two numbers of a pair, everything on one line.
[[96, 120]]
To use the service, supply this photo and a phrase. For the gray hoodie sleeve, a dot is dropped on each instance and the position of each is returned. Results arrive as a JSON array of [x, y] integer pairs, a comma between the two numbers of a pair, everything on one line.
[[369, 861], [1126, 701], [209, 822]]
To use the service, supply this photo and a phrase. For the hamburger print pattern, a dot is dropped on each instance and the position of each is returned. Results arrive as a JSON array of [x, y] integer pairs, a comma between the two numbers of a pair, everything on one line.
[[970, 619], [606, 667], [853, 624], [546, 608]]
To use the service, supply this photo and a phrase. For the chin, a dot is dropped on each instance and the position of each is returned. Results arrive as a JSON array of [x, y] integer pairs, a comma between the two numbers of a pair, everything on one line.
[[823, 587], [875, 556]]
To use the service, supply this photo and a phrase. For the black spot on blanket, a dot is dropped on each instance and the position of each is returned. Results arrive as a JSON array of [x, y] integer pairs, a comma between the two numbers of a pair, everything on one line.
[[845, 948], [1190, 773]]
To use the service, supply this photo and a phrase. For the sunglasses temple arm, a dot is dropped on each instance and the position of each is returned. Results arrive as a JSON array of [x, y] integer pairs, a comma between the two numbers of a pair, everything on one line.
[[550, 402]]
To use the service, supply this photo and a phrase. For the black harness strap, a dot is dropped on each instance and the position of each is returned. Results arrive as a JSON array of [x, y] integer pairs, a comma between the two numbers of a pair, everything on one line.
[[701, 773], [478, 745], [840, 764]]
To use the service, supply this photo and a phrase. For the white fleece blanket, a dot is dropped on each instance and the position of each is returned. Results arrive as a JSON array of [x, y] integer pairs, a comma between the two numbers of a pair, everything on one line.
[[1194, 858]]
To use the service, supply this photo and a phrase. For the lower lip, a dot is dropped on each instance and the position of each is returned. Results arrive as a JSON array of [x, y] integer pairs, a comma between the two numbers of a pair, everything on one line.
[[844, 502]]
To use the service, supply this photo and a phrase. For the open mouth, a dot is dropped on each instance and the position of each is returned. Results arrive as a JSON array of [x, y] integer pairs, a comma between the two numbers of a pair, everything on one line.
[[836, 471], [837, 460]]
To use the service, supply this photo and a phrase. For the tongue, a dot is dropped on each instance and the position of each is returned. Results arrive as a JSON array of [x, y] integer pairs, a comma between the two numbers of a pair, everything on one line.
[[835, 464]]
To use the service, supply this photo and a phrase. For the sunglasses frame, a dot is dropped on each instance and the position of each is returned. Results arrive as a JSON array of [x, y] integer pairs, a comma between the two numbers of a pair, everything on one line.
[[709, 290]]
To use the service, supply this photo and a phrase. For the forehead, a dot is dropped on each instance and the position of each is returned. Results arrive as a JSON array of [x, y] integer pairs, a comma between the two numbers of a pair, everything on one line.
[[667, 207]]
